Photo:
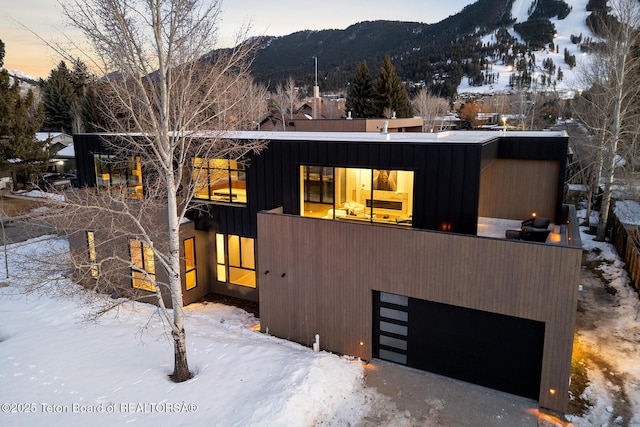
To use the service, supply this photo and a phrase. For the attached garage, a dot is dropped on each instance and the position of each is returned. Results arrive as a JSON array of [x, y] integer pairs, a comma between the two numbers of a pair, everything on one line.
[[493, 350]]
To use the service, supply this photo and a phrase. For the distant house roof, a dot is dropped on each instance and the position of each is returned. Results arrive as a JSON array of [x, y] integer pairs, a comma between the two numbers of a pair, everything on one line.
[[56, 137], [67, 152], [628, 212]]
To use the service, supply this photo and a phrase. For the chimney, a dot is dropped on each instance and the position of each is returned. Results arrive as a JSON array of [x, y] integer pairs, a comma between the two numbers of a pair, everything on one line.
[[316, 94]]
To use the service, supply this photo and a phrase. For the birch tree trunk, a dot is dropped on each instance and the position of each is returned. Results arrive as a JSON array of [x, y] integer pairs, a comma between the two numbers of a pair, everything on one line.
[[167, 92]]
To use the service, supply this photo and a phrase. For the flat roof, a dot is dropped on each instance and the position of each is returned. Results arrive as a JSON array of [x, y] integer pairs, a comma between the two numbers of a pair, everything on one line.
[[462, 137], [465, 137]]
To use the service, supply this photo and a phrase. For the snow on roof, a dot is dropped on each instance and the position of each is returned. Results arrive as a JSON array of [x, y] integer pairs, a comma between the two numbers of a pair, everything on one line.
[[468, 137], [628, 212], [43, 136], [67, 152], [462, 137]]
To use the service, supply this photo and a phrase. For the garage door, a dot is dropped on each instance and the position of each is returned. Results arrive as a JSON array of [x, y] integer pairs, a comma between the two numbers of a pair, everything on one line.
[[489, 349]]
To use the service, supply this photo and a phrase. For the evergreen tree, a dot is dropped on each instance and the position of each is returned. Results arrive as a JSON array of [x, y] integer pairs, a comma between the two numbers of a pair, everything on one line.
[[84, 112], [71, 99], [59, 98], [360, 95], [20, 119], [1, 53], [390, 93]]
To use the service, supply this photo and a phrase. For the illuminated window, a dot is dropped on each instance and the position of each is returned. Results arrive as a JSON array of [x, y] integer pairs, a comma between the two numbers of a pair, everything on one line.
[[91, 244], [220, 180], [112, 171], [143, 271], [190, 278], [366, 195], [235, 260]]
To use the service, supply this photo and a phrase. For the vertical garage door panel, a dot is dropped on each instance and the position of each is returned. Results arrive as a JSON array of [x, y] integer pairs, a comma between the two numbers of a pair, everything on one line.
[[489, 349]]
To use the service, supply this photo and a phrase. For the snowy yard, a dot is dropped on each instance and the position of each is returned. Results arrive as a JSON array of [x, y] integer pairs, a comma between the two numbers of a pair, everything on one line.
[[57, 369]]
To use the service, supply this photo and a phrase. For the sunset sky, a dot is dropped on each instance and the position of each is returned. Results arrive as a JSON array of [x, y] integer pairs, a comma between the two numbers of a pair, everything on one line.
[[24, 24]]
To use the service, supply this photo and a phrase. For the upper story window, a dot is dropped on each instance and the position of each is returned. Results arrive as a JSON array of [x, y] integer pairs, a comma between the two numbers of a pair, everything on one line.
[[112, 171], [220, 180], [366, 195]]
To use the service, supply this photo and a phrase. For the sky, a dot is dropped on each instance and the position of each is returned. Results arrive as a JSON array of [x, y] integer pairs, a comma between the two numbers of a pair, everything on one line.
[[24, 24]]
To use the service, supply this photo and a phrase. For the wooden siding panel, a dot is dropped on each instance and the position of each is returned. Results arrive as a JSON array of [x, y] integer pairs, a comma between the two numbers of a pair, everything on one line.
[[334, 266], [515, 188]]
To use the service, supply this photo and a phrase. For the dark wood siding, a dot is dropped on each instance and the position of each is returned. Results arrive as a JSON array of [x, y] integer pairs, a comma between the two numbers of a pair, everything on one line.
[[317, 276], [112, 250]]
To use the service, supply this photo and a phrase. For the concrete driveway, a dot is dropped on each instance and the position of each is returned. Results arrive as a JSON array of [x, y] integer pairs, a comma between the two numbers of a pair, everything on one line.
[[434, 400]]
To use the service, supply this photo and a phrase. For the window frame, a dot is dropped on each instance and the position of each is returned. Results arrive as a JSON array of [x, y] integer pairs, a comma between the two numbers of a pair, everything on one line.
[[212, 171], [106, 166], [365, 199], [227, 263], [94, 270], [190, 270], [143, 272]]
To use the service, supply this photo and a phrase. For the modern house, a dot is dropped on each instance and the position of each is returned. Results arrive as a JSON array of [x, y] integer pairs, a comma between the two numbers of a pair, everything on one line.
[[391, 246]]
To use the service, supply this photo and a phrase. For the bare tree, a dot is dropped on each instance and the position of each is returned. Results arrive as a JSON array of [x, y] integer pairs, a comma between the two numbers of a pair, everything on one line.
[[164, 81], [430, 108], [285, 99], [612, 78]]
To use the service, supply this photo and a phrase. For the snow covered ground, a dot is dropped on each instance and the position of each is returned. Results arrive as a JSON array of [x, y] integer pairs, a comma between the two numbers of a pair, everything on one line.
[[58, 369], [573, 24], [607, 342]]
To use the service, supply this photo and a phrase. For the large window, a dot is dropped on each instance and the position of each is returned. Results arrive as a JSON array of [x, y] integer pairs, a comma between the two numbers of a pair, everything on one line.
[[356, 194], [190, 276], [220, 180], [91, 245], [112, 171], [143, 270], [318, 184], [235, 260]]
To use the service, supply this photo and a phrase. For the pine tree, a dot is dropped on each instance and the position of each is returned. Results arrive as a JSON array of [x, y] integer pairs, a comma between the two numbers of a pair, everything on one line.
[[1, 53], [59, 98], [71, 99], [360, 95], [20, 119], [84, 110], [390, 93]]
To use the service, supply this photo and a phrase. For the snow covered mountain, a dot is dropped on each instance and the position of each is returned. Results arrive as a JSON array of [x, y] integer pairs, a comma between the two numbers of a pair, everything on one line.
[[26, 81], [570, 32]]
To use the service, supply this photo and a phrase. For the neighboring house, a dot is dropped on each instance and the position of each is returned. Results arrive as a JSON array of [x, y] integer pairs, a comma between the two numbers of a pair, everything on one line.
[[65, 159], [58, 141], [392, 246]]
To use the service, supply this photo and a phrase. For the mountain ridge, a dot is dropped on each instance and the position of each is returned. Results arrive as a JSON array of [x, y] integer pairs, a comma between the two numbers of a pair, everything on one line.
[[439, 55]]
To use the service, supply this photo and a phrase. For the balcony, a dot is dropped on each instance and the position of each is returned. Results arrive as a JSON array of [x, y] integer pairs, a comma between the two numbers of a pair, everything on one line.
[[563, 234]]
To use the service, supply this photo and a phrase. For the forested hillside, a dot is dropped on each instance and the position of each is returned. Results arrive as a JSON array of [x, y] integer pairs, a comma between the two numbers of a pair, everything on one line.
[[437, 55]]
